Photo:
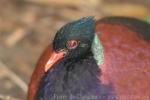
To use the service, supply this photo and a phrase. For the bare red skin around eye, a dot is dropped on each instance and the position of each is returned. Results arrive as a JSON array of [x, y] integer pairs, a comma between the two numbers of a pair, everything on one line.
[[71, 44]]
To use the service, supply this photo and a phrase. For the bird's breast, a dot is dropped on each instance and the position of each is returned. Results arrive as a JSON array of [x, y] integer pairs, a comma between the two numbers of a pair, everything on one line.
[[74, 81]]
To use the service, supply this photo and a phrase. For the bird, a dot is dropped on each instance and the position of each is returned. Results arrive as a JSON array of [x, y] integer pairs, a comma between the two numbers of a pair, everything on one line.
[[105, 59]]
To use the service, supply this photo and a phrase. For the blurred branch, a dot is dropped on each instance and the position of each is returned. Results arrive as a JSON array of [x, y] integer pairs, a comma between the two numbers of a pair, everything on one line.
[[27, 20], [13, 38], [15, 78], [4, 97], [69, 14], [62, 2], [133, 10]]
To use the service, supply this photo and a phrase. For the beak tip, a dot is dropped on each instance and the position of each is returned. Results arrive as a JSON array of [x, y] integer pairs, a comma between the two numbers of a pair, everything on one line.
[[53, 59], [45, 69]]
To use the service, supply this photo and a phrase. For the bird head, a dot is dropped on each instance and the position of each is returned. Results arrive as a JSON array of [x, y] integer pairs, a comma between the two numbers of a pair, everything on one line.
[[72, 41]]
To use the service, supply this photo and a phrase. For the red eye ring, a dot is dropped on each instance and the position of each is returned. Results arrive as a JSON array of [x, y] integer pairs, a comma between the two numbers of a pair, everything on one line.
[[72, 44]]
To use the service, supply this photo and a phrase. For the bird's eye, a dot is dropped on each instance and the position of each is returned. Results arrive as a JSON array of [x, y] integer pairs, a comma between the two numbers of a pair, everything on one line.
[[72, 44]]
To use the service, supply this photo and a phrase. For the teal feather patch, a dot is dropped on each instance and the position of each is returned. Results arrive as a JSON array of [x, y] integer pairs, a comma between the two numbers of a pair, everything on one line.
[[97, 50]]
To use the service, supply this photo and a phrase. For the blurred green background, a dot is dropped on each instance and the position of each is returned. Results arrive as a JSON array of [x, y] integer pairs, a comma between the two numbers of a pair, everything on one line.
[[28, 26]]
